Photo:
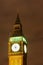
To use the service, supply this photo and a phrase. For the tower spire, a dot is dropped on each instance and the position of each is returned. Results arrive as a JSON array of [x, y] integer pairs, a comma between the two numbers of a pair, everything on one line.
[[17, 28], [17, 19]]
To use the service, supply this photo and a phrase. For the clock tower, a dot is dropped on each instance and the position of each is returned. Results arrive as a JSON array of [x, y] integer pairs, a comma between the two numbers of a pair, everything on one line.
[[17, 45]]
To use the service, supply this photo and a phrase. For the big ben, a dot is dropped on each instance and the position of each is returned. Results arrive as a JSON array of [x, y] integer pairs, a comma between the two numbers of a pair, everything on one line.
[[17, 45]]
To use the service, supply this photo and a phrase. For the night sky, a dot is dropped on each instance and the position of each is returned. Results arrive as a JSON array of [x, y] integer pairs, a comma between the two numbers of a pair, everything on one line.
[[31, 16]]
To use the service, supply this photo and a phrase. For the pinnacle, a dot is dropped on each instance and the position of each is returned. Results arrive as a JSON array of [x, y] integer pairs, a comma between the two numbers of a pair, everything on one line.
[[17, 19]]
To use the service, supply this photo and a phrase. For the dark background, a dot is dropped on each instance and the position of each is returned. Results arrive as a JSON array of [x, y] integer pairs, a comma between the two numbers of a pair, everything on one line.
[[31, 15]]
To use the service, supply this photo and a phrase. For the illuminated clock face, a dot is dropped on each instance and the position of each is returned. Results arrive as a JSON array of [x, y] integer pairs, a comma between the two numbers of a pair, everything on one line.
[[25, 49], [15, 47]]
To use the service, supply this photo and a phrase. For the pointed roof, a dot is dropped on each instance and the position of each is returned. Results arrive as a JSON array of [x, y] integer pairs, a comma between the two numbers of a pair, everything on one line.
[[17, 27], [17, 19]]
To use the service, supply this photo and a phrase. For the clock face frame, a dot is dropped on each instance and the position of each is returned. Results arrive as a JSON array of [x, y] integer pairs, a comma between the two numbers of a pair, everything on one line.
[[15, 47], [17, 51], [25, 48]]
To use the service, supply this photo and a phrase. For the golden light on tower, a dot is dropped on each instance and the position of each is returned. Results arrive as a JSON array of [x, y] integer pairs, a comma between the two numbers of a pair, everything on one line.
[[17, 45]]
